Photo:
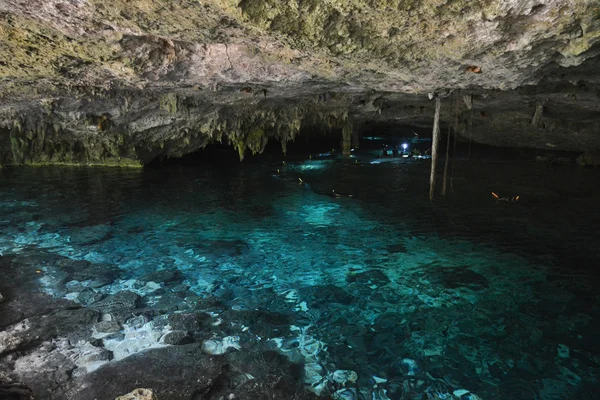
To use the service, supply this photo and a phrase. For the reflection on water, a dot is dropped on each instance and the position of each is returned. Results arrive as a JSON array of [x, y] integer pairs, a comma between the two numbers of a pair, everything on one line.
[[382, 295]]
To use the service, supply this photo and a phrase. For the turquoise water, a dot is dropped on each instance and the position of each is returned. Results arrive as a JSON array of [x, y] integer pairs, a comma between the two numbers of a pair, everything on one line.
[[381, 295]]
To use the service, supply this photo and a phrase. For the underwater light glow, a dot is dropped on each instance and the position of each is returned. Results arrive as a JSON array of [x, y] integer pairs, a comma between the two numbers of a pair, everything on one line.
[[404, 146], [312, 165]]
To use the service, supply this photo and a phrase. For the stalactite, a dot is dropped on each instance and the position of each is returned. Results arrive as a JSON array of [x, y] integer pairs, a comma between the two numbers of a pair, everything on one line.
[[537, 115], [347, 138], [434, 145], [470, 126], [455, 127], [444, 186]]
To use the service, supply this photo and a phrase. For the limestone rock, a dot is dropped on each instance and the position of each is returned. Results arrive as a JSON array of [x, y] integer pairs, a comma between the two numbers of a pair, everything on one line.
[[589, 159], [138, 394], [119, 305], [176, 338]]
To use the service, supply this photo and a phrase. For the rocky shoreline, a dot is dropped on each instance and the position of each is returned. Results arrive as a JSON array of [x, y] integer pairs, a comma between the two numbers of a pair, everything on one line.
[[62, 349]]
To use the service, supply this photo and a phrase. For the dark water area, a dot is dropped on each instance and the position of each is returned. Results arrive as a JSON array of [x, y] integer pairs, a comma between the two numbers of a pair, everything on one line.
[[341, 265]]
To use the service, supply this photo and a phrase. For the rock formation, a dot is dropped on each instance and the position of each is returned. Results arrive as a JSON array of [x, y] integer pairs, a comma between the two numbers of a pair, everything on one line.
[[125, 82]]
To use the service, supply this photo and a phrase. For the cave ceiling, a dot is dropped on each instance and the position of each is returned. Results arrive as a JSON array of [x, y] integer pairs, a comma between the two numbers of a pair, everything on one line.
[[128, 81]]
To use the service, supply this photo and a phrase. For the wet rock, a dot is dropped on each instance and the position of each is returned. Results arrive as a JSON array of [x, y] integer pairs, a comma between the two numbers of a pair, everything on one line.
[[345, 394], [89, 234], [119, 305], [107, 327], [74, 286], [344, 376], [91, 354], [164, 276], [589, 159], [464, 394], [325, 294], [14, 336], [240, 379], [15, 391], [218, 347], [88, 297], [410, 367], [176, 338], [138, 394], [136, 322], [88, 274], [186, 321]]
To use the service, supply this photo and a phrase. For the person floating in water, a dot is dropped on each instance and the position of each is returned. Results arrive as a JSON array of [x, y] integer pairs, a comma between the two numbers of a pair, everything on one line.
[[337, 195], [513, 199]]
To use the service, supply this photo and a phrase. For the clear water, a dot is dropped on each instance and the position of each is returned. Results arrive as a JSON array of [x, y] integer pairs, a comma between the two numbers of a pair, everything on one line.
[[419, 299]]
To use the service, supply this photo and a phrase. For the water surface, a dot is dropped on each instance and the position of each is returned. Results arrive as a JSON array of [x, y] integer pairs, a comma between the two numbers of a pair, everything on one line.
[[419, 300]]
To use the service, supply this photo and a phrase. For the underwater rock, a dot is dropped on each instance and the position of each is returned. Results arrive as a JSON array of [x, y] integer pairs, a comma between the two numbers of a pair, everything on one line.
[[380, 394], [455, 277], [218, 347], [87, 274], [240, 379], [87, 297], [186, 321], [92, 356], [345, 394], [89, 234], [176, 338], [410, 367], [138, 394], [463, 394], [164, 276], [119, 305], [104, 328], [344, 376], [313, 376], [372, 276]]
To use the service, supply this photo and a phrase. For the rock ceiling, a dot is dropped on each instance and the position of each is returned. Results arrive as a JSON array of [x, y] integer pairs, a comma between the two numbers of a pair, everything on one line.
[[98, 81]]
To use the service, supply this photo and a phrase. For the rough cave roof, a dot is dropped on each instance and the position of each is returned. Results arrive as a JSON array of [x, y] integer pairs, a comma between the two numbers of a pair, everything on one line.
[[349, 57], [392, 45]]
